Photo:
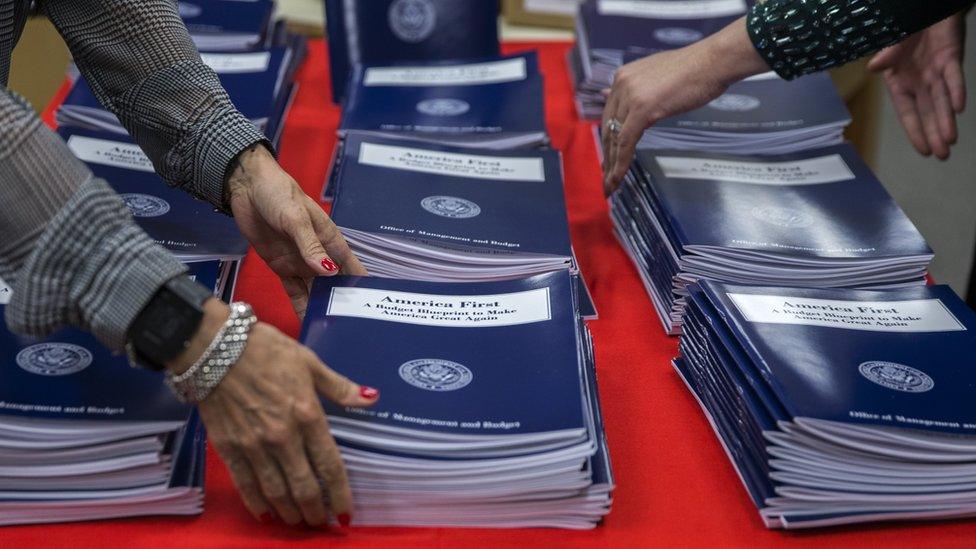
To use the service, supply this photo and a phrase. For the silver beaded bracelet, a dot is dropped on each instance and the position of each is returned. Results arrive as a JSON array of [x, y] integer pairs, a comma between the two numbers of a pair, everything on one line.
[[203, 376]]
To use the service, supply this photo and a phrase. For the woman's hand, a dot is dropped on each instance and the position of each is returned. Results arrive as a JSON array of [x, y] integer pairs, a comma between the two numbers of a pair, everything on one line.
[[288, 229], [266, 422], [667, 84], [925, 79]]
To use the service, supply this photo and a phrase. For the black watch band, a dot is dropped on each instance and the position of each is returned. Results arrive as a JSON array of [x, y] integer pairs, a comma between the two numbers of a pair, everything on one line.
[[164, 327]]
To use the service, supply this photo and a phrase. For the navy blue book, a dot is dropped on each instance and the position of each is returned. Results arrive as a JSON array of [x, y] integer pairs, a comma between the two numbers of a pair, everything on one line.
[[188, 227], [70, 375], [492, 102], [893, 359], [767, 103], [256, 81], [490, 203], [821, 203], [457, 359], [227, 24], [838, 406], [654, 26], [388, 31]]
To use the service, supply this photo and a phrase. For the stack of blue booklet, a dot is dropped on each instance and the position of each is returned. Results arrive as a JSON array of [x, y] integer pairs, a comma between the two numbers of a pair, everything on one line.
[[381, 32], [763, 114], [817, 218], [477, 425], [260, 83], [838, 406], [433, 212], [492, 102], [606, 30], [227, 24], [85, 436]]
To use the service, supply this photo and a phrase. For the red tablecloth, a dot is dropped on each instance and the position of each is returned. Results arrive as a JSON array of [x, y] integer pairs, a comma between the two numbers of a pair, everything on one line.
[[675, 486]]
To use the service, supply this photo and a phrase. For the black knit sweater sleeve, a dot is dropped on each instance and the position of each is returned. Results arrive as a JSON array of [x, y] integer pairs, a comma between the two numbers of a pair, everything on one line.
[[798, 37]]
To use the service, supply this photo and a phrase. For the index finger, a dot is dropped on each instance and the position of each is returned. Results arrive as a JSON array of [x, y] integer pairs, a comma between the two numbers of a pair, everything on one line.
[[335, 244], [627, 145]]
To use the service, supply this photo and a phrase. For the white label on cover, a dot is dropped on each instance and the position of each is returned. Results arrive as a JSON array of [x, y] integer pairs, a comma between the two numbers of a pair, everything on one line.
[[552, 7], [492, 72], [671, 9], [233, 63], [918, 315], [5, 292], [462, 311], [499, 168], [771, 75], [811, 171], [110, 153]]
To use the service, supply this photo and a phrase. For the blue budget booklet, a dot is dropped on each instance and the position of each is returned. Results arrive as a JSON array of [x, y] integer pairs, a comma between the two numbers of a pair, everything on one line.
[[227, 24], [70, 375], [188, 227], [454, 358], [483, 100], [508, 202], [385, 31], [653, 26], [895, 358], [767, 103], [257, 82], [821, 203]]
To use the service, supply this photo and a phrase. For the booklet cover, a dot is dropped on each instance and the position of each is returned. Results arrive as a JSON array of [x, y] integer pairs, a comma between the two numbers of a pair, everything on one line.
[[654, 25], [820, 203], [240, 22], [461, 358], [385, 31], [188, 227], [894, 358], [767, 103], [508, 202], [499, 95]]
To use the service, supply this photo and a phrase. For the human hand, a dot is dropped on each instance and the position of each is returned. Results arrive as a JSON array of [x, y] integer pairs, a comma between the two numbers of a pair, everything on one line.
[[925, 79], [288, 229], [667, 84], [266, 422]]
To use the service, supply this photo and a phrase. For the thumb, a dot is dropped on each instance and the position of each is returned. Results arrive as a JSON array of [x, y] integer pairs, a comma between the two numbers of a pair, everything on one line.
[[338, 388], [884, 59], [298, 226]]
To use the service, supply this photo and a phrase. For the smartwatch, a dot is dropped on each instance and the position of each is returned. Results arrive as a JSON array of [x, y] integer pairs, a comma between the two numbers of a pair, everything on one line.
[[164, 327]]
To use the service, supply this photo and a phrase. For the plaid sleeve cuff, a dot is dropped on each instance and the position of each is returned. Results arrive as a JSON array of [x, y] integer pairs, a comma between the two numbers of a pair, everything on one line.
[[219, 141]]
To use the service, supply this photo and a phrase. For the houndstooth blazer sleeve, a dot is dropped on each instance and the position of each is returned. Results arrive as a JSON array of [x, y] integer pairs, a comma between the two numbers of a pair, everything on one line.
[[68, 244], [142, 65]]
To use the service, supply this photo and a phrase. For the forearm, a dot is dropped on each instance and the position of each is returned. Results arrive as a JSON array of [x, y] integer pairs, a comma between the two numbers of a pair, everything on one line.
[[140, 62], [798, 37], [69, 247]]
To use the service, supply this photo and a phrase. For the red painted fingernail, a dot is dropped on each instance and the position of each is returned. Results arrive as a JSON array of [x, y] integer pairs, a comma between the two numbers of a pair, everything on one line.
[[329, 265], [264, 518], [368, 392], [344, 519]]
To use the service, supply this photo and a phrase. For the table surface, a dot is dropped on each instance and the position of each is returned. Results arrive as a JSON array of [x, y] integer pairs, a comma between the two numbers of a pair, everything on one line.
[[674, 483]]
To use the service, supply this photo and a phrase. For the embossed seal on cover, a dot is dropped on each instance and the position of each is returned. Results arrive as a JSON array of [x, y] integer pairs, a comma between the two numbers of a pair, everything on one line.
[[443, 107], [54, 359], [435, 374], [678, 36], [144, 205], [896, 376], [412, 20], [787, 218], [450, 206], [735, 102]]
